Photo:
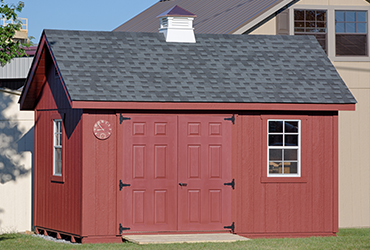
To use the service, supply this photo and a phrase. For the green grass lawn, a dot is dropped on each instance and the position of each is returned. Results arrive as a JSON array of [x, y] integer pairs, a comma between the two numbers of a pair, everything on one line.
[[346, 239]]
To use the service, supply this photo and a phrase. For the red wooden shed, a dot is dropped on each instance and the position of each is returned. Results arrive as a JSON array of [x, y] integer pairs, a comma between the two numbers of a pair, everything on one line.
[[134, 134]]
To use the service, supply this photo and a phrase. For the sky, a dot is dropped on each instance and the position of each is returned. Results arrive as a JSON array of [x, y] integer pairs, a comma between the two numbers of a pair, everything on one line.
[[78, 15]]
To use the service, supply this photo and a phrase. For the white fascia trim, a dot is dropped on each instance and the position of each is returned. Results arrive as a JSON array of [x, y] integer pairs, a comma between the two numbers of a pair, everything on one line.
[[331, 26], [10, 91], [262, 17]]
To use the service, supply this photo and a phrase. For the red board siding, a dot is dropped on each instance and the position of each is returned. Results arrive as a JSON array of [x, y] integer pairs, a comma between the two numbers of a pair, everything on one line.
[[99, 181], [53, 95], [305, 205], [58, 204]]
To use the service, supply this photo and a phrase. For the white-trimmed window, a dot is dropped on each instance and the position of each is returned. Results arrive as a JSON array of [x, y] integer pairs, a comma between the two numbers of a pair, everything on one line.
[[57, 147], [342, 31], [311, 22], [284, 148], [351, 33]]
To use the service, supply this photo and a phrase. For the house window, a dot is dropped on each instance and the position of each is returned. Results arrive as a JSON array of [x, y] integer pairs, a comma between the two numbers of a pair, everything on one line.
[[58, 134], [311, 22], [351, 33], [283, 148]]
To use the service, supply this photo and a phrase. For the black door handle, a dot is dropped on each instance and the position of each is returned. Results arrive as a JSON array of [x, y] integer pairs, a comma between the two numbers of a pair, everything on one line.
[[183, 184]]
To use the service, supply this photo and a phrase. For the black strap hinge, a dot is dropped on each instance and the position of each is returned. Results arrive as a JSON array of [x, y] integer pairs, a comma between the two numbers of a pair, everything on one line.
[[121, 228], [121, 118], [121, 185], [232, 184], [232, 227], [232, 119]]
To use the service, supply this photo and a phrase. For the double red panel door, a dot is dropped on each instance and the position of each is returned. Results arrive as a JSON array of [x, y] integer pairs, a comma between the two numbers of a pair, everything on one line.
[[176, 167]]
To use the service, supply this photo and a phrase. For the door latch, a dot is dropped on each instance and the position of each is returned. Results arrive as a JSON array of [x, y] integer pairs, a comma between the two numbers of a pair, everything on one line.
[[232, 184], [183, 184]]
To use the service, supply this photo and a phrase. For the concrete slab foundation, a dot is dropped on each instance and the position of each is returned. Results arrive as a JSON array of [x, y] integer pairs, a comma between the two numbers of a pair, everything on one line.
[[183, 238]]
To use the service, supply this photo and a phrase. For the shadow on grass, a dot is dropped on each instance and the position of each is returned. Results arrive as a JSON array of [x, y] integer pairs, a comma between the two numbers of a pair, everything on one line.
[[7, 237]]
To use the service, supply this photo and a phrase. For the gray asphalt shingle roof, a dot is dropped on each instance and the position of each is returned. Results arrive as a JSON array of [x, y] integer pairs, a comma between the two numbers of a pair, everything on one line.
[[129, 67]]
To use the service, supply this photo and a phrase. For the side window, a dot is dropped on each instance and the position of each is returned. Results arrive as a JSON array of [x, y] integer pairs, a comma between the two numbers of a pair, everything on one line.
[[283, 148], [351, 33], [57, 147], [311, 22]]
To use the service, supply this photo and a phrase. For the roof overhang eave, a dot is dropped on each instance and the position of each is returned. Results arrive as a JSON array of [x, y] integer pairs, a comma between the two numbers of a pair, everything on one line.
[[212, 106]]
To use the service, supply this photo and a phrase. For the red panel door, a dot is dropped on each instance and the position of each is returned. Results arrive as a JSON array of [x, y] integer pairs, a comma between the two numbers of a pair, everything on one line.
[[150, 167], [204, 165]]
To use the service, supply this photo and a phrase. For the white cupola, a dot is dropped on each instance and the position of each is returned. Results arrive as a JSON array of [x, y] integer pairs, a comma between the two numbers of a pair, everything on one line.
[[177, 25]]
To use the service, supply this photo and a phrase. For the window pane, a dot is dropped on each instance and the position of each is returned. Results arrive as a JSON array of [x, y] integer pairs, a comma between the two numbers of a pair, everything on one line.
[[299, 24], [298, 29], [58, 161], [321, 24], [275, 126], [310, 15], [57, 142], [299, 15], [290, 168], [339, 28], [275, 154], [275, 140], [275, 167], [350, 16], [291, 140], [310, 24], [321, 15], [339, 16], [348, 45], [310, 30], [361, 28], [361, 16], [350, 28], [291, 127], [290, 154]]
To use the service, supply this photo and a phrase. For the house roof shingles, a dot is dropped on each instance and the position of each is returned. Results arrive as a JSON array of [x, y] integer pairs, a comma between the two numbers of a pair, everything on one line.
[[142, 67]]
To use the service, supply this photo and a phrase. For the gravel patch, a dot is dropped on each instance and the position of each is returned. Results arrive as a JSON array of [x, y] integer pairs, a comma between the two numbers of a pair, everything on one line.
[[49, 238]]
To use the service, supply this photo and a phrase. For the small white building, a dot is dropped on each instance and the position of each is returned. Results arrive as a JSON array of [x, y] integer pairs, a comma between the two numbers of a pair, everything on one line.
[[16, 149]]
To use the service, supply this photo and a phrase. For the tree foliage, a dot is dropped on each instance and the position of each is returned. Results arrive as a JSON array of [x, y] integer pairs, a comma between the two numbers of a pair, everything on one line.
[[10, 48]]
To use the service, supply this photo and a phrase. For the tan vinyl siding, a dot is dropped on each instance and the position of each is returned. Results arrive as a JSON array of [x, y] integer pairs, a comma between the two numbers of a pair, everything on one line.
[[354, 148], [269, 28]]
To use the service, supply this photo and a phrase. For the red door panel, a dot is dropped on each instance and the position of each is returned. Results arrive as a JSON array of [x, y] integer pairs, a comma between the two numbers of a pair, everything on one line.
[[204, 164], [150, 167]]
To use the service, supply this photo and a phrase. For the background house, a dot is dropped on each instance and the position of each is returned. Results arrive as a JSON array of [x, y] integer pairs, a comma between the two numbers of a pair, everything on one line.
[[16, 144], [342, 29]]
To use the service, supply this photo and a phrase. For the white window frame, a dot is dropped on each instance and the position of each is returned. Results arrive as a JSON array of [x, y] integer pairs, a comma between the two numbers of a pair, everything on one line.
[[56, 146], [298, 174], [330, 15]]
